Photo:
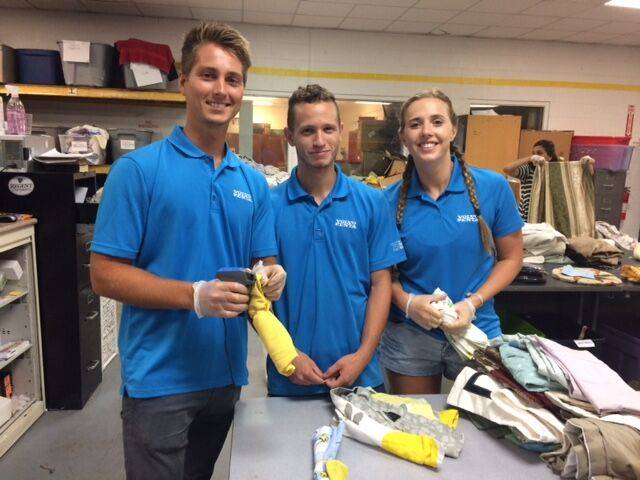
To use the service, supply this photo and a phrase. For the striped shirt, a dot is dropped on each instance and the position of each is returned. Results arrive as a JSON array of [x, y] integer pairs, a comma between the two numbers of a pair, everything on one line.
[[525, 174]]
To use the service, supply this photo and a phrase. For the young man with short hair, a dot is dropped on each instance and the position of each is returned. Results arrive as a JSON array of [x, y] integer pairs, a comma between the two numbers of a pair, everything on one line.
[[337, 240], [174, 213]]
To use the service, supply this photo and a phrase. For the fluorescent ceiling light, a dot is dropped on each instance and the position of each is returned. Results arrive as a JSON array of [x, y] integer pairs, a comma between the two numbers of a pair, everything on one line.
[[367, 102], [623, 3], [483, 106]]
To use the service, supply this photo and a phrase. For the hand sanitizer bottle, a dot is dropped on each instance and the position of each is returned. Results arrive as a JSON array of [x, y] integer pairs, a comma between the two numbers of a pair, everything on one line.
[[16, 115]]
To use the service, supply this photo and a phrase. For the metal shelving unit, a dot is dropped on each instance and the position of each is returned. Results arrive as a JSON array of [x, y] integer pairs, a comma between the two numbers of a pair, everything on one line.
[[20, 321]]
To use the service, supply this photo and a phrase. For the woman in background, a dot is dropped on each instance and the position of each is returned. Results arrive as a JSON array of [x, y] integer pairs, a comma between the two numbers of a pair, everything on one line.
[[523, 169]]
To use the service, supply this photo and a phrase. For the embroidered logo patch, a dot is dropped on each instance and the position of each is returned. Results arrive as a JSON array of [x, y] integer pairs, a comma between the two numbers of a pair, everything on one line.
[[467, 219], [397, 246], [346, 224], [242, 195]]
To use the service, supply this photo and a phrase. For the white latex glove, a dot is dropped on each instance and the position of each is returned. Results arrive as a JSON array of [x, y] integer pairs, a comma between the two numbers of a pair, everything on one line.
[[274, 280], [220, 299]]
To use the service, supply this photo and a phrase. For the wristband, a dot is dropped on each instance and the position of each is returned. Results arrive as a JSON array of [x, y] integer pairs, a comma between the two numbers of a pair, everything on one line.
[[480, 297], [406, 310]]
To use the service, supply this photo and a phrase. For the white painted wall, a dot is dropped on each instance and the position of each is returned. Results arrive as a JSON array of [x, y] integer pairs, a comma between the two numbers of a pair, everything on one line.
[[586, 111]]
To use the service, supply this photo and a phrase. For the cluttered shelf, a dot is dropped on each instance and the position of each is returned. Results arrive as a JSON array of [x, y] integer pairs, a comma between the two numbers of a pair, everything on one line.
[[57, 91]]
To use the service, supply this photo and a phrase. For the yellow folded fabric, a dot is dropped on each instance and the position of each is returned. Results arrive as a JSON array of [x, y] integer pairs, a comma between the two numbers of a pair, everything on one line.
[[272, 333], [418, 449], [337, 470], [450, 417]]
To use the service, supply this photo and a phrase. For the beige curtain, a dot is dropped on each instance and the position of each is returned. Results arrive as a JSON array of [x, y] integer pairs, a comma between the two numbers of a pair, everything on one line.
[[562, 195]]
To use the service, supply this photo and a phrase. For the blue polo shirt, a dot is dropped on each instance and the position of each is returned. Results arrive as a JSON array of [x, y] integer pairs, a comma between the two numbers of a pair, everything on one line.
[[172, 213], [443, 244], [329, 252]]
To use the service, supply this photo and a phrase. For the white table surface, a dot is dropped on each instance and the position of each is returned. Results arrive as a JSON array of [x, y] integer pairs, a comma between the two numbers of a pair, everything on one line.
[[271, 439]]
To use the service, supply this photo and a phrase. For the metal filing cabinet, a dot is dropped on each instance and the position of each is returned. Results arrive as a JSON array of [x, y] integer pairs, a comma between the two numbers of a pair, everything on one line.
[[609, 187], [69, 310]]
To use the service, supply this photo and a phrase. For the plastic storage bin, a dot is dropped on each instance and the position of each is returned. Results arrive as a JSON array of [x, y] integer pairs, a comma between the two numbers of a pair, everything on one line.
[[123, 141], [130, 80], [622, 350], [40, 67], [591, 140], [608, 157], [97, 73]]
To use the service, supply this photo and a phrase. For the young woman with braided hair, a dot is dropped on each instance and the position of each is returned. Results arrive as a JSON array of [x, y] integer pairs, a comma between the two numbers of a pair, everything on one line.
[[461, 232]]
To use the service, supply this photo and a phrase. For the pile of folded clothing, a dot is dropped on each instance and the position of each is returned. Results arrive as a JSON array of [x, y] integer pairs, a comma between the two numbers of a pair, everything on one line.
[[542, 243], [622, 240], [593, 252], [566, 404]]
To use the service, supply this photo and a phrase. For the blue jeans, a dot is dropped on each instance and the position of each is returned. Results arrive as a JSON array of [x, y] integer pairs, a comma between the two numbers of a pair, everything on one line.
[[409, 351], [178, 436]]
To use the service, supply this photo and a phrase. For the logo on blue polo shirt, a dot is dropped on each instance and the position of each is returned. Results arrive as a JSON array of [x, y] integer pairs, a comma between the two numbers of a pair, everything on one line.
[[397, 246], [346, 224], [242, 195], [467, 219]]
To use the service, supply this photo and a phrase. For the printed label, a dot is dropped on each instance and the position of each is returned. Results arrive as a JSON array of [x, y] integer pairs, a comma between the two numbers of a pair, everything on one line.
[[346, 224], [584, 343], [242, 195], [467, 219], [21, 186], [79, 146], [127, 144]]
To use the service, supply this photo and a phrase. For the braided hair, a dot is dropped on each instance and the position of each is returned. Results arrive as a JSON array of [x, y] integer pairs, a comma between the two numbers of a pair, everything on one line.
[[485, 231]]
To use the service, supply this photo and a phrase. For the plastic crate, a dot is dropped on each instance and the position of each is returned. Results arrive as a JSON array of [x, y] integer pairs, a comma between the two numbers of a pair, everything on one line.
[[40, 67], [123, 141], [97, 73], [589, 140], [130, 80], [608, 157], [622, 351]]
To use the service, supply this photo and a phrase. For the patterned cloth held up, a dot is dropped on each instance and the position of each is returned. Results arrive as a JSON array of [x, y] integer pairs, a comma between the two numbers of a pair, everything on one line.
[[563, 196]]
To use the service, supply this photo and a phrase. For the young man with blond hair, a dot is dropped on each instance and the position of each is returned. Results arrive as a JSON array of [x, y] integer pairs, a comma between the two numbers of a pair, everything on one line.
[[173, 214]]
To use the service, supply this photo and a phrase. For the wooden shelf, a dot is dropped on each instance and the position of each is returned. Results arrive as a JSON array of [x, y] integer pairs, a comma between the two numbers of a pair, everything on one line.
[[97, 93], [99, 168], [19, 351]]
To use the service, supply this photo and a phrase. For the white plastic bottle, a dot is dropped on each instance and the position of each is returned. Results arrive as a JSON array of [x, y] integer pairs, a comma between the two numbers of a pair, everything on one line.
[[16, 115]]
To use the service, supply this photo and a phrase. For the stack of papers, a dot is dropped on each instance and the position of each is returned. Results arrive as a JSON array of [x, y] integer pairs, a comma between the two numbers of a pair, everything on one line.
[[54, 157], [8, 350]]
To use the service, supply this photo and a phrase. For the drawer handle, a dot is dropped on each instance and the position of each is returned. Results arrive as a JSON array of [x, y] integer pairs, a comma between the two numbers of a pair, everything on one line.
[[86, 265], [605, 209], [92, 316], [608, 185], [93, 365], [87, 245]]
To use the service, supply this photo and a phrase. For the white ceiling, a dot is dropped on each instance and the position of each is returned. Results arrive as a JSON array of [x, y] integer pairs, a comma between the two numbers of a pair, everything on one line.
[[582, 21]]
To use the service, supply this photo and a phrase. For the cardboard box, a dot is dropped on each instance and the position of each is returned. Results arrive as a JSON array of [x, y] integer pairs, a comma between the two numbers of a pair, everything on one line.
[[515, 185], [560, 138], [390, 180], [7, 64], [375, 162], [492, 140]]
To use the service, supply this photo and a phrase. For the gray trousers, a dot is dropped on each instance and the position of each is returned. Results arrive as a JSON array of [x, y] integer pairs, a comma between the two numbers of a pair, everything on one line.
[[177, 436]]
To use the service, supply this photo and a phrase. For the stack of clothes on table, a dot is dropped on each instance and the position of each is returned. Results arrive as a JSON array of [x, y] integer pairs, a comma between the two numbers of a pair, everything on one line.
[[543, 244], [564, 403]]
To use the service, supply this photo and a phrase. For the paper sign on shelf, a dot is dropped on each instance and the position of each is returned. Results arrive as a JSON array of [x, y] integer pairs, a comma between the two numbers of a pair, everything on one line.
[[76, 51], [127, 144], [145, 74]]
